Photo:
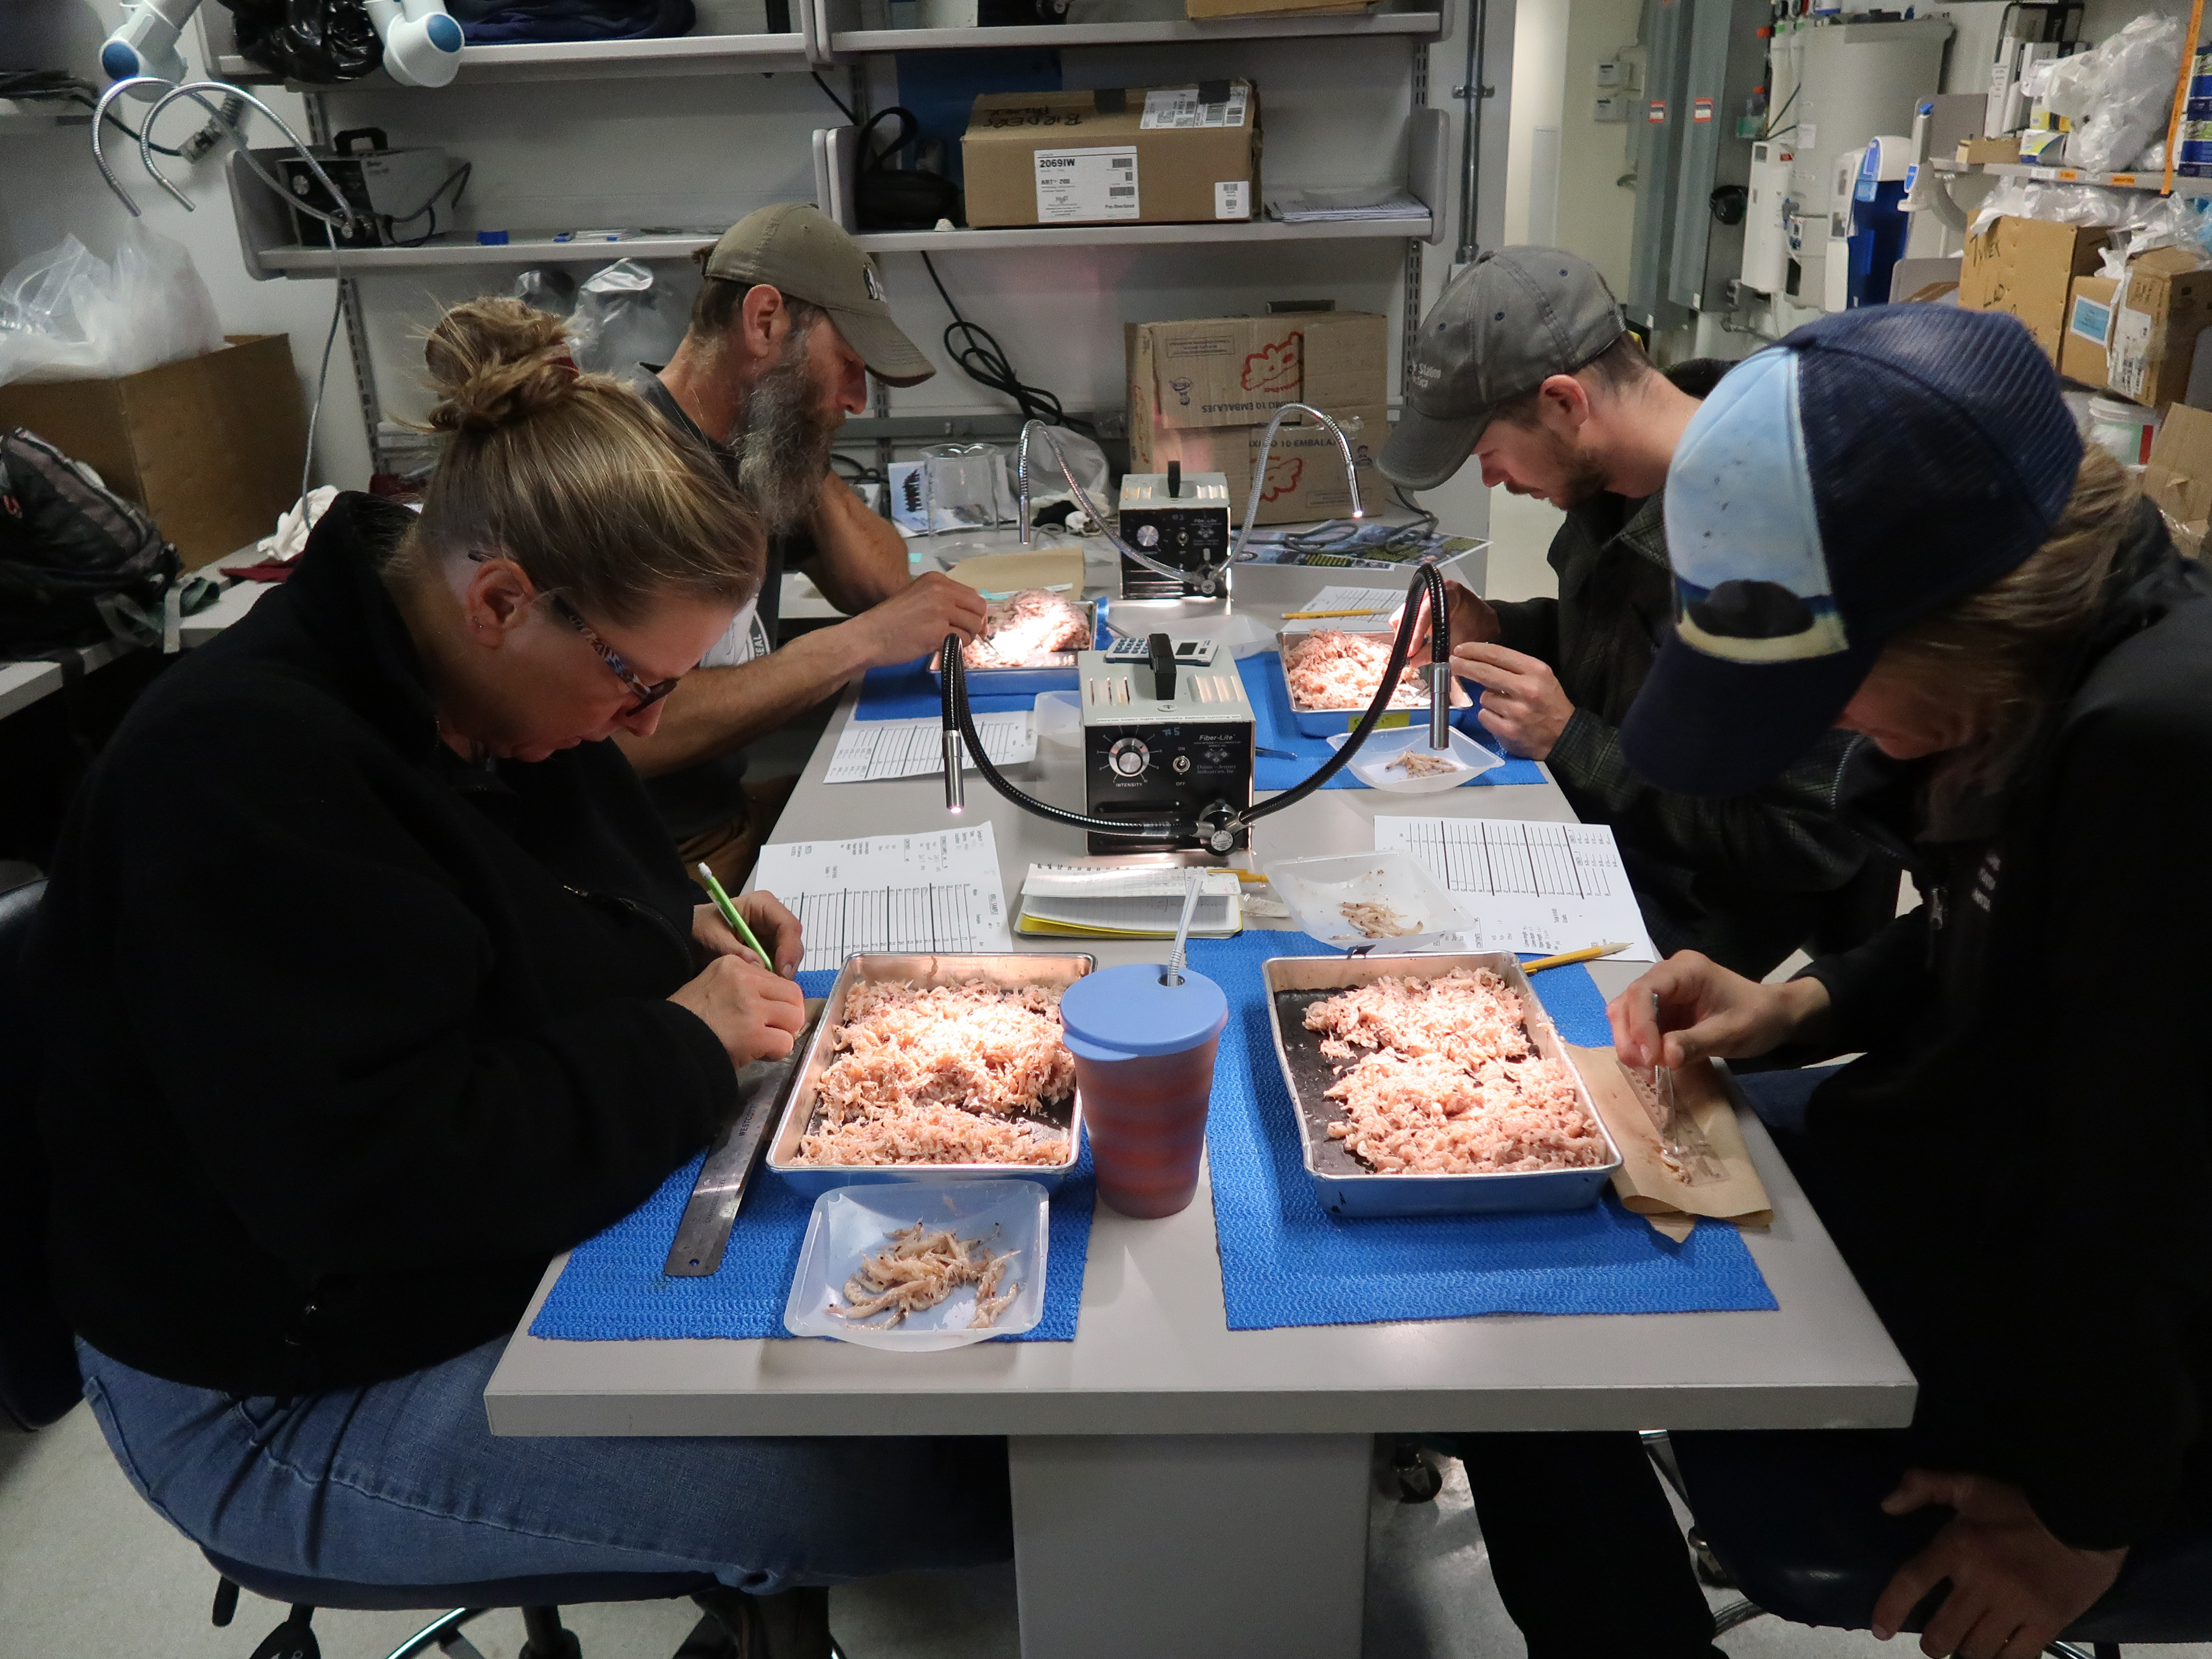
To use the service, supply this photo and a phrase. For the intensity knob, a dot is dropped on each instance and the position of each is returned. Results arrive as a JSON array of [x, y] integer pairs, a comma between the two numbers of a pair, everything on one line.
[[1148, 535], [1129, 757]]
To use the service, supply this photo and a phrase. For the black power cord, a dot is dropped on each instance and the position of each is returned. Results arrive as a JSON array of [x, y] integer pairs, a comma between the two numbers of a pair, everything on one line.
[[458, 182], [844, 108], [58, 85], [957, 716], [984, 361]]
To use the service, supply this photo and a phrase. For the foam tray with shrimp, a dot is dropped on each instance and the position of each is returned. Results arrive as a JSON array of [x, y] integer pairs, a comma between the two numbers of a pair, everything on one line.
[[1545, 1147], [1332, 675], [935, 1066], [1029, 642]]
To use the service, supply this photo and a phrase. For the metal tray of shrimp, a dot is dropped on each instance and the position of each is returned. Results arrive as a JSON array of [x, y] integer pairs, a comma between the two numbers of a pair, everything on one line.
[[1009, 969], [1053, 672], [1321, 722], [1347, 1186]]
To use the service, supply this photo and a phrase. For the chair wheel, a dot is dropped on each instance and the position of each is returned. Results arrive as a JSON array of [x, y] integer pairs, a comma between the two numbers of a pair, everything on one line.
[[1711, 1573]]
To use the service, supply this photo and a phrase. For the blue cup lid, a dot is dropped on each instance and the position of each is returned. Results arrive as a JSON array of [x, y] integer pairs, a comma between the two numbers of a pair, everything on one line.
[[1119, 1013]]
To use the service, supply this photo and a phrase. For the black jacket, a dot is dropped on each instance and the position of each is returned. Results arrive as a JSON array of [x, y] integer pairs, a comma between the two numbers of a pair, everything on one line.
[[1745, 878], [347, 1037], [2020, 1169]]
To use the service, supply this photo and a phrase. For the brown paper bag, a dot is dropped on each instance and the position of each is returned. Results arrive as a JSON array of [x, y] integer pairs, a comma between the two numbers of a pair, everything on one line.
[[1644, 1182]]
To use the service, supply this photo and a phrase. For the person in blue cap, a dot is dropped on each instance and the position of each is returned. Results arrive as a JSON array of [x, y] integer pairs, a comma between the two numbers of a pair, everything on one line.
[[1888, 524]]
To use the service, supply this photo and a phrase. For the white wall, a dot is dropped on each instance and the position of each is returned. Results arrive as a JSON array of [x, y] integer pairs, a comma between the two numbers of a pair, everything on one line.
[[49, 188], [1597, 213], [1540, 71]]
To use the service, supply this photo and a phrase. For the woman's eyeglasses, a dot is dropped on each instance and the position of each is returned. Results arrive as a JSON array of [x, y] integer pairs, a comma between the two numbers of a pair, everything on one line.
[[647, 695]]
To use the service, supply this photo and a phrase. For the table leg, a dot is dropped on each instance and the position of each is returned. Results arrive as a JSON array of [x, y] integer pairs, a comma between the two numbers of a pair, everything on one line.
[[1190, 1546]]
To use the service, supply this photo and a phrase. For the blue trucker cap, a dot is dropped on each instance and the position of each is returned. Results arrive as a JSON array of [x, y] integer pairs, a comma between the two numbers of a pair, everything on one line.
[[1872, 467]]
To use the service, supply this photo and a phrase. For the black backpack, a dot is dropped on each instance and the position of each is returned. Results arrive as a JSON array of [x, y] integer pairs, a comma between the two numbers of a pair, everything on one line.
[[77, 562]]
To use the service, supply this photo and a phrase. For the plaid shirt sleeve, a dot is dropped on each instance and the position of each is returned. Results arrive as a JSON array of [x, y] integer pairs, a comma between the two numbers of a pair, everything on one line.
[[1783, 835], [1531, 626]]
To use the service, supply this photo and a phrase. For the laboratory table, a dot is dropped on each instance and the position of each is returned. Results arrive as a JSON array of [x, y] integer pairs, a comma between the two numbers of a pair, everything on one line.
[[1181, 1489]]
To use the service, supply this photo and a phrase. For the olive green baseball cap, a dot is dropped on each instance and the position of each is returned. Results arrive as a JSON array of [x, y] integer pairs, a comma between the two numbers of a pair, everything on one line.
[[797, 249], [1504, 325]]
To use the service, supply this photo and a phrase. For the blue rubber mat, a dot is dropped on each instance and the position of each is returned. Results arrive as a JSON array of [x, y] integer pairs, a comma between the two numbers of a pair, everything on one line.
[[613, 1290], [1286, 1261], [1274, 728]]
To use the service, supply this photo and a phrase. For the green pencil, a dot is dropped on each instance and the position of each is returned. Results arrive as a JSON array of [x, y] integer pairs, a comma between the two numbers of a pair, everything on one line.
[[730, 914]]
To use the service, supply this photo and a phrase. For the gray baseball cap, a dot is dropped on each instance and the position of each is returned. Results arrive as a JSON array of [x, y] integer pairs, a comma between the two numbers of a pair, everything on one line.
[[797, 249], [1507, 324]]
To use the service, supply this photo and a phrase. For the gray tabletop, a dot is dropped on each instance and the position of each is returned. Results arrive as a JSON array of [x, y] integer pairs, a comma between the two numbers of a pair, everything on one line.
[[1154, 1354]]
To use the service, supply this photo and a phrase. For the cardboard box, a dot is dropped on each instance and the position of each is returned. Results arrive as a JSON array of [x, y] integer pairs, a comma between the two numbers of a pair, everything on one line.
[[2005, 149], [1233, 371], [2179, 477], [2027, 267], [212, 446], [1151, 156], [1305, 469], [2142, 344]]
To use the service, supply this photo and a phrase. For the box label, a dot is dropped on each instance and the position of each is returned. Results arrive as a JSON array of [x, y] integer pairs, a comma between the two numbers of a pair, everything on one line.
[[1082, 187], [1701, 109], [1179, 107], [1657, 114], [2092, 321], [2127, 364], [1232, 199]]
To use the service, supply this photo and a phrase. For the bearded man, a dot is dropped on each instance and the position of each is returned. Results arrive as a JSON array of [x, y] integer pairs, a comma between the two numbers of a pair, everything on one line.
[[1526, 364], [789, 323]]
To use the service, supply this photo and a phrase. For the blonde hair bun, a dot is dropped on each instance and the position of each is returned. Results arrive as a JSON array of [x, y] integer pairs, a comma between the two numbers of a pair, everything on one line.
[[494, 361]]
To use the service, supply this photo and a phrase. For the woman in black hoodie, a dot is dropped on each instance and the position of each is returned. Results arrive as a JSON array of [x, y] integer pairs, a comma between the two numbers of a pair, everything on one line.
[[1888, 524], [372, 981]]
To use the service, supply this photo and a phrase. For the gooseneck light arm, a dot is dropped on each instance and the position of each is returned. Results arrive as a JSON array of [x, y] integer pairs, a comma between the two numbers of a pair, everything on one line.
[[1090, 507], [1260, 472]]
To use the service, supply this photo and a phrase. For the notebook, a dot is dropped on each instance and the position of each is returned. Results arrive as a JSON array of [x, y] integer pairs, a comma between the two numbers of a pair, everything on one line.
[[1089, 901]]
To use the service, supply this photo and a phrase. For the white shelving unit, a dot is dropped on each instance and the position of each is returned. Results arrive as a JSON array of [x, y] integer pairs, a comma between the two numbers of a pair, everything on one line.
[[39, 115], [2065, 175], [1390, 127], [845, 39], [589, 60], [297, 261], [1035, 236]]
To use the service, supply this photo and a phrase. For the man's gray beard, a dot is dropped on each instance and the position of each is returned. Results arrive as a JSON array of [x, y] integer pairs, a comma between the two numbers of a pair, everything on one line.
[[783, 452]]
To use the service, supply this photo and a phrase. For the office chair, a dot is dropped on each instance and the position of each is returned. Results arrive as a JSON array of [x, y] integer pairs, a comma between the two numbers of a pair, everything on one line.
[[39, 1384], [1794, 1519]]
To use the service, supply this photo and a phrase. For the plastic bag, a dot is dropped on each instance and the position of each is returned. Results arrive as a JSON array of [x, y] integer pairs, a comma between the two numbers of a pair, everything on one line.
[[307, 39], [68, 314], [2119, 95], [624, 319], [2065, 204], [1084, 459], [548, 289], [2181, 222]]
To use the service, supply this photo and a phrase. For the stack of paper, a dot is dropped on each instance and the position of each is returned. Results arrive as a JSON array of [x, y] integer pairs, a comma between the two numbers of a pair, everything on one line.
[[869, 751], [1368, 201], [1542, 887], [1110, 903], [938, 891]]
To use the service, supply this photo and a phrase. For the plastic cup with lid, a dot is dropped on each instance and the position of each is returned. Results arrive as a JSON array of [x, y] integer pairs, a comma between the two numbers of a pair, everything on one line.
[[1143, 1060]]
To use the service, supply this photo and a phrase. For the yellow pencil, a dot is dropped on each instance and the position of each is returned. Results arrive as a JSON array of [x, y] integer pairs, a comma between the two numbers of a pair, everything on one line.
[[1588, 953], [1302, 615]]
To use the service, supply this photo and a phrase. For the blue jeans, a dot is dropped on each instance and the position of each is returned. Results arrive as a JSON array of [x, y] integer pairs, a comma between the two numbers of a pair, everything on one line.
[[402, 1483]]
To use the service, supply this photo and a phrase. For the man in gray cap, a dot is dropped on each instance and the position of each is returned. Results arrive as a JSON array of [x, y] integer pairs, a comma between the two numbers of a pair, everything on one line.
[[1527, 365], [789, 323]]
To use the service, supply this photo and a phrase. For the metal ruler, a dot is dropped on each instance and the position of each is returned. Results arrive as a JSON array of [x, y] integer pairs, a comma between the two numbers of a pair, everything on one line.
[[720, 1192]]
